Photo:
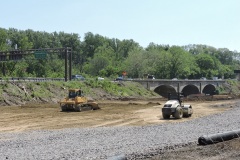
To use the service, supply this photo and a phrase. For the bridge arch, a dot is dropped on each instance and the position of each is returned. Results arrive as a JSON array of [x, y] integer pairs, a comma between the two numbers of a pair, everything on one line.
[[162, 86], [163, 90], [209, 89], [190, 89]]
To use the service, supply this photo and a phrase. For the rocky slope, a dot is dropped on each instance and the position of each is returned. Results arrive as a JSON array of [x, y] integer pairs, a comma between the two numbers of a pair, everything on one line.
[[19, 93]]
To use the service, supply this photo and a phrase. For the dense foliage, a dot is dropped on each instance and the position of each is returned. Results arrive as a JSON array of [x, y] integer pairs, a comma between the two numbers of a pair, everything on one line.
[[97, 55]]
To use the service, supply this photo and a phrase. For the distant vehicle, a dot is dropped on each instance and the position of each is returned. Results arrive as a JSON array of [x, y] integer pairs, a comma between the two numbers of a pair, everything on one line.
[[203, 78], [150, 77], [100, 78], [78, 77], [216, 78], [119, 79], [174, 79]]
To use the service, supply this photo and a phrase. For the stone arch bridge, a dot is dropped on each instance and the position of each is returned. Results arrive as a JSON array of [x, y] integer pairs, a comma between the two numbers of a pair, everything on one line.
[[188, 87]]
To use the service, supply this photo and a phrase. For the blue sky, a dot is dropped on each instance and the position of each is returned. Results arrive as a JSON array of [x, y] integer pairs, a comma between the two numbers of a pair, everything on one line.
[[174, 22]]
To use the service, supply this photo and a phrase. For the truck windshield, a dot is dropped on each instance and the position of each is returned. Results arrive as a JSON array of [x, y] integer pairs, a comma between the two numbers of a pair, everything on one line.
[[72, 94]]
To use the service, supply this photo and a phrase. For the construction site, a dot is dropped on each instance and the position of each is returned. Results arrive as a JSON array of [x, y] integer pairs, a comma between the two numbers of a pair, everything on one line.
[[129, 121]]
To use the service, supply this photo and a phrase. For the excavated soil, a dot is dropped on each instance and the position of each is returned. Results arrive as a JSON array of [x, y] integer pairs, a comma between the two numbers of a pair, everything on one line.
[[112, 113]]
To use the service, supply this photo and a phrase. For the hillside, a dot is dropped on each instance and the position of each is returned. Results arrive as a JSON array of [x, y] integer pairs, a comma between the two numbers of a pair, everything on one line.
[[19, 93]]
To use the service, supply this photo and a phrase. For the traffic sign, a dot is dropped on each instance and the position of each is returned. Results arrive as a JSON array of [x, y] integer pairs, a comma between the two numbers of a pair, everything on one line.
[[40, 54]]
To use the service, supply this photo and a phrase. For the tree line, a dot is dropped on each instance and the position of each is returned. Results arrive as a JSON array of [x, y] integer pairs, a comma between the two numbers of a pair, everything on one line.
[[96, 55]]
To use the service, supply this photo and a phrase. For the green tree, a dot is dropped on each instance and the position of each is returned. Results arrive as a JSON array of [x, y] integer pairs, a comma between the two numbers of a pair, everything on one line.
[[99, 55], [133, 64], [97, 64], [180, 62], [20, 69], [150, 61], [206, 64], [153, 46], [19, 39], [164, 65], [3, 40], [125, 47]]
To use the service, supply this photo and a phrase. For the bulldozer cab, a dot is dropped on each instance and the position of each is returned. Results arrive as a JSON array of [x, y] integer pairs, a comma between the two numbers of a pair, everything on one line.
[[75, 93]]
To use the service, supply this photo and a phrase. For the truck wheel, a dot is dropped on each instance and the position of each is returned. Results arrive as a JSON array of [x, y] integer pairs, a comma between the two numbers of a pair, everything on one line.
[[178, 113], [188, 115], [78, 108], [165, 116], [64, 108], [91, 108]]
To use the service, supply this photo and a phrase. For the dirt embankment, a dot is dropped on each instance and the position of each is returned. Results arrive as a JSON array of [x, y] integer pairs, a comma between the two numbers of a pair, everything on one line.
[[35, 106], [22, 93], [112, 113]]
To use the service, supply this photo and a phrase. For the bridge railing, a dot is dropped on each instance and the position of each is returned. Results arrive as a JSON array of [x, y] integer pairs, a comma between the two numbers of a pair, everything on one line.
[[179, 80]]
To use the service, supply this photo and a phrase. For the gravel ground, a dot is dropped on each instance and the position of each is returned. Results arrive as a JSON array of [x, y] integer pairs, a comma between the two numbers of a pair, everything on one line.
[[105, 142]]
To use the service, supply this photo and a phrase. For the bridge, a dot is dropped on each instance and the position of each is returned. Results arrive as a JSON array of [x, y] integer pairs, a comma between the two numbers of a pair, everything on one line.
[[188, 87]]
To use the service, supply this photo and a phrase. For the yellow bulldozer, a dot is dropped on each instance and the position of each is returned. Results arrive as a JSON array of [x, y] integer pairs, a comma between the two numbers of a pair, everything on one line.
[[75, 101]]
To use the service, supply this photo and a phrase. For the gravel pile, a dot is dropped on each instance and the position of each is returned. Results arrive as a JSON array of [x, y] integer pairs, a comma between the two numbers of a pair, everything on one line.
[[105, 142]]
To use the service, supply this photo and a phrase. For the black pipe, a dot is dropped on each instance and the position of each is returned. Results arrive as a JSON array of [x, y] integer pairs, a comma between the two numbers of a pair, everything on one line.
[[219, 137]]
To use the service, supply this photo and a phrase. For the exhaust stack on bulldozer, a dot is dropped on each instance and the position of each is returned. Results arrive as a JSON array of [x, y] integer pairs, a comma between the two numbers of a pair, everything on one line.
[[75, 101]]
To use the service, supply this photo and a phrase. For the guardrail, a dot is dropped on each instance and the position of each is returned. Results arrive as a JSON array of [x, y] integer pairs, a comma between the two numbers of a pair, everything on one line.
[[30, 79], [36, 79]]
